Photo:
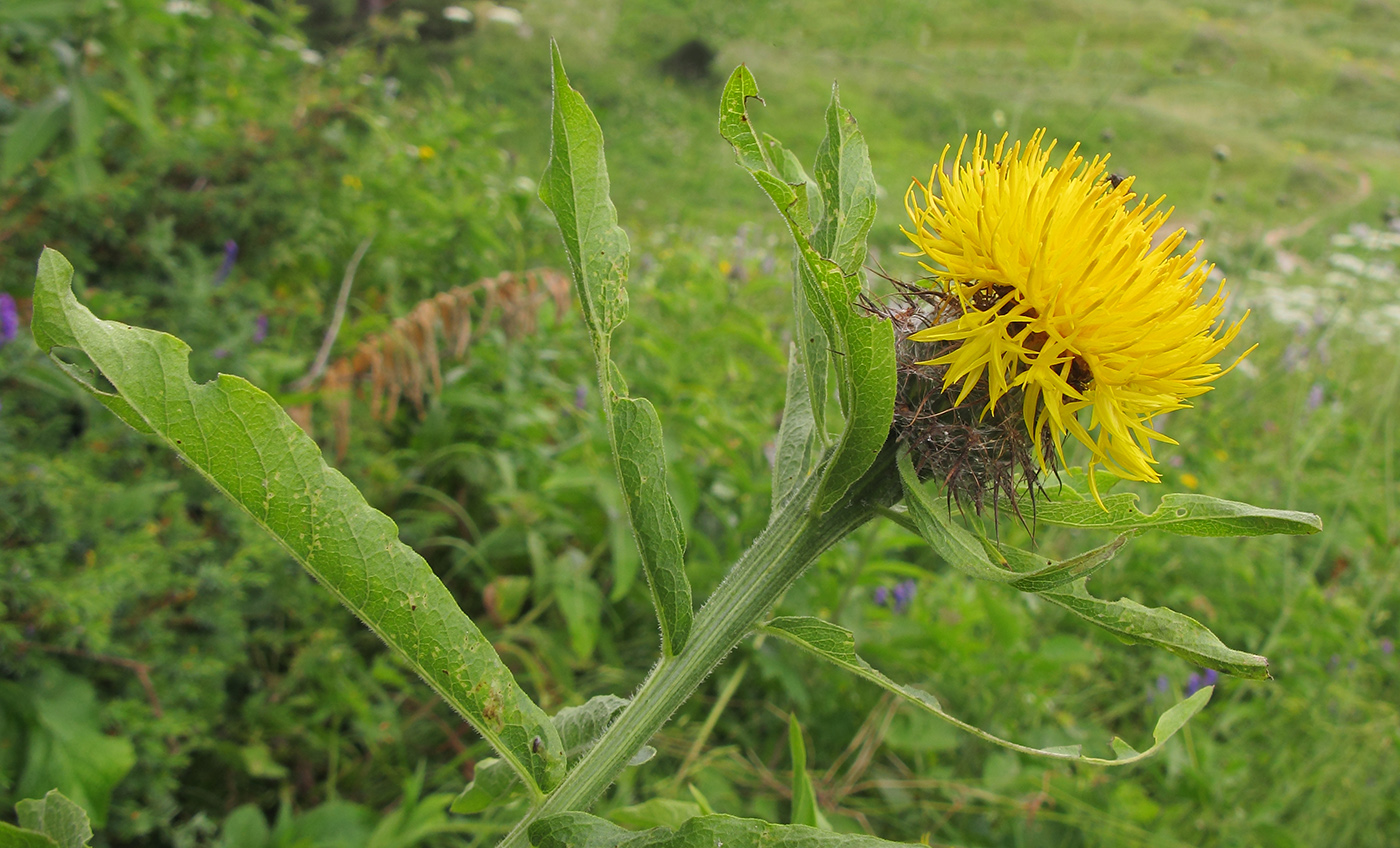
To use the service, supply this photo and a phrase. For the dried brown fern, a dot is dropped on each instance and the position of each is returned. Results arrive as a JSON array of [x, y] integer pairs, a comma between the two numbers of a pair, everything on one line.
[[405, 361]]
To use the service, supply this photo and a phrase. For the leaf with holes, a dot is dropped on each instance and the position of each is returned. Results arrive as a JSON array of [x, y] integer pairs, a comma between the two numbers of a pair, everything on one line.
[[864, 344], [1181, 514]]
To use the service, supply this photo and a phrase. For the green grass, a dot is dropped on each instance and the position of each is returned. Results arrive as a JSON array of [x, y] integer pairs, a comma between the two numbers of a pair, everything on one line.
[[273, 695], [1301, 95]]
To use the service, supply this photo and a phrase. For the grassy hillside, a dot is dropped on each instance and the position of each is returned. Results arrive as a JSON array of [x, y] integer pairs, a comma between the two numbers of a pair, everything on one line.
[[1273, 127]]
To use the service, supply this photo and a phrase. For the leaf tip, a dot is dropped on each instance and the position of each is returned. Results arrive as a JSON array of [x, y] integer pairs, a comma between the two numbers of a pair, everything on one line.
[[53, 264], [557, 62]]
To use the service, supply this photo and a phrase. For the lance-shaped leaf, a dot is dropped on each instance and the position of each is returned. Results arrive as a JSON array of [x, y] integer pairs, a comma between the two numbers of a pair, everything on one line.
[[848, 190], [243, 443], [1038, 574], [575, 188], [975, 557], [1063, 584], [838, 645], [864, 344], [1180, 514], [579, 727], [805, 809], [795, 449], [580, 830], [1184, 636], [789, 167], [813, 349]]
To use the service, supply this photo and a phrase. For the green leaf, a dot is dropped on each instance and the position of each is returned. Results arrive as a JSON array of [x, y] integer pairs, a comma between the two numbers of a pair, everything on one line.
[[700, 800], [32, 133], [580, 601], [864, 344], [814, 350], [580, 830], [795, 449], [812, 346], [1064, 584], [14, 837], [804, 798], [1164, 628], [1180, 514], [641, 464], [575, 187], [657, 812], [62, 821], [1038, 574], [67, 750], [625, 558], [245, 827], [86, 119], [579, 727], [240, 440], [848, 189], [789, 167], [957, 547], [734, 123], [838, 645], [975, 557]]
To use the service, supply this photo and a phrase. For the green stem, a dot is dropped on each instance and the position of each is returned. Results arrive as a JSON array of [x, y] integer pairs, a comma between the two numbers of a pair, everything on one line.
[[792, 540]]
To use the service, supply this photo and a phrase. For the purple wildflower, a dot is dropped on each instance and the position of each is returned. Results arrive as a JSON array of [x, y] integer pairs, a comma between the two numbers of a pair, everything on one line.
[[1315, 396], [9, 319], [230, 254], [220, 353], [260, 329], [1162, 683], [903, 594], [882, 596], [581, 397], [1193, 684], [1387, 646], [1210, 678]]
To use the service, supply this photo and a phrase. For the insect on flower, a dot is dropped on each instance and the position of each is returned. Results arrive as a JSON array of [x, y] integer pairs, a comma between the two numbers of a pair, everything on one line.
[[1055, 299]]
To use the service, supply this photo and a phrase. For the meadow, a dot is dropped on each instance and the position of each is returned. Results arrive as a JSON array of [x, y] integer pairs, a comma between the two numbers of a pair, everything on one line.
[[213, 169]]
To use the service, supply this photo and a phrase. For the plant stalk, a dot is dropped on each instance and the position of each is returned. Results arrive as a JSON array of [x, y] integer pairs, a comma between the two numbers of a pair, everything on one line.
[[792, 540]]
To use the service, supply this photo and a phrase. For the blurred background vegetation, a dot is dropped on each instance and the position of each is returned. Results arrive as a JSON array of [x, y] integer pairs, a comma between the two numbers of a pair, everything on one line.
[[211, 166]]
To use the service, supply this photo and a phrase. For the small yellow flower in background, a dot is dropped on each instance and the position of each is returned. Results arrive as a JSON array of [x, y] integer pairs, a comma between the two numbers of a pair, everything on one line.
[[352, 181], [1063, 296], [1190, 481], [425, 153], [725, 267]]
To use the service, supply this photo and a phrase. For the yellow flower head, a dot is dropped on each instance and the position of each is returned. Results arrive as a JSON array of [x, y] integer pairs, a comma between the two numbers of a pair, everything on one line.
[[1064, 296]]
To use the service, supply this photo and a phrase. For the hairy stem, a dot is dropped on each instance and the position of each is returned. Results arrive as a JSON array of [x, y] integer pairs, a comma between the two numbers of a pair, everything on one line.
[[792, 540]]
